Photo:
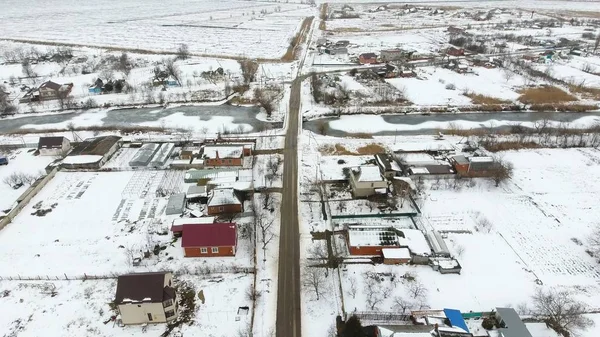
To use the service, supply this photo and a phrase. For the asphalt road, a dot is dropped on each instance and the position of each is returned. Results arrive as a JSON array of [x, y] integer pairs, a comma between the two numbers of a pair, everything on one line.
[[288, 285]]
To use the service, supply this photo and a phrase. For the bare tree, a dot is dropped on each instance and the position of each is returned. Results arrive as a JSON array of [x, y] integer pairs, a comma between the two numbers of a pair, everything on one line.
[[594, 243], [18, 179], [249, 69], [372, 292], [417, 289], [400, 303], [596, 43], [266, 200], [501, 171], [460, 250], [318, 251], [6, 105], [27, 69], [508, 74], [183, 52], [561, 311], [265, 227], [264, 100], [314, 278], [353, 289], [173, 70]]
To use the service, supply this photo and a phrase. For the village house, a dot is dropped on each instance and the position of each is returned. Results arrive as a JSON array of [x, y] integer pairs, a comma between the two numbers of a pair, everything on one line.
[[336, 50], [96, 88], [143, 298], [388, 55], [367, 58], [453, 51], [366, 181], [51, 90], [207, 240], [387, 165], [223, 201], [216, 155], [53, 146]]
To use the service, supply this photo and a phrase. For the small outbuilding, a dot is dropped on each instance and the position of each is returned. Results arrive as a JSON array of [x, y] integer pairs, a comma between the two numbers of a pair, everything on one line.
[[224, 201], [92, 153], [53, 146], [144, 154], [176, 204], [396, 255]]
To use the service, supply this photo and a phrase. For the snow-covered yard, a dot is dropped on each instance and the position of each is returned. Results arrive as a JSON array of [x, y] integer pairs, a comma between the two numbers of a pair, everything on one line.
[[20, 161], [82, 308]]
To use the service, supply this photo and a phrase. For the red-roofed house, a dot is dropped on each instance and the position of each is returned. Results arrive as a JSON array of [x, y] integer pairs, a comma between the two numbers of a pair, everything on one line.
[[218, 239]]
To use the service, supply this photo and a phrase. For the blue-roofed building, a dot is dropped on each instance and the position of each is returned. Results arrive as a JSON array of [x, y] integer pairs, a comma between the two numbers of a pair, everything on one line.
[[456, 319]]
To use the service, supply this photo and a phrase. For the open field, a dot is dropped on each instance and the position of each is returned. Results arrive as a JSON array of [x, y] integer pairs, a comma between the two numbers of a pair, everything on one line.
[[214, 28]]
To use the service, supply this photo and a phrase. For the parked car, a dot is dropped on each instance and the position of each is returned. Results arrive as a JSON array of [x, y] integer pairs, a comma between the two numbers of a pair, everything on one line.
[[3, 161]]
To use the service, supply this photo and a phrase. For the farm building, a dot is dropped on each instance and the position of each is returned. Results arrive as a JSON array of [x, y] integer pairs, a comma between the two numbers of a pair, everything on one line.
[[53, 146], [437, 243], [206, 240], [472, 166], [177, 225], [146, 298], [224, 201], [144, 154], [92, 153], [439, 170], [216, 155], [417, 159], [176, 204], [162, 155], [366, 181], [367, 58]]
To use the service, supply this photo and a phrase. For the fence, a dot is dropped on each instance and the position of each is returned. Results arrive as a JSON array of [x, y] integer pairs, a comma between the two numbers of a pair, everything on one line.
[[370, 215], [200, 271], [383, 317], [30, 193]]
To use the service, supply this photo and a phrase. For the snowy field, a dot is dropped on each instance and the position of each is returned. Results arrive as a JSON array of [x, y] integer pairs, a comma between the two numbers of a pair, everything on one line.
[[20, 161], [208, 27], [97, 220]]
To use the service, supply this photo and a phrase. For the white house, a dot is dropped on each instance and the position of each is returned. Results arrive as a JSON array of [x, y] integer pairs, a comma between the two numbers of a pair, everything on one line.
[[53, 146], [367, 180]]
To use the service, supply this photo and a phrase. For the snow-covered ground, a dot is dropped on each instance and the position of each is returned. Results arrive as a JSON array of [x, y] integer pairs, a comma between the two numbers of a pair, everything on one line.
[[95, 220], [209, 27], [20, 161]]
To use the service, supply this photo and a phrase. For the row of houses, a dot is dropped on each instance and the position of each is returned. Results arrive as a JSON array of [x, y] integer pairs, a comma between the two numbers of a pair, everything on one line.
[[442, 323]]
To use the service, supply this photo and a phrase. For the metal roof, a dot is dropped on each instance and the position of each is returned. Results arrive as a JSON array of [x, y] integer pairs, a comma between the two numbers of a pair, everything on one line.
[[514, 326], [456, 319], [176, 204]]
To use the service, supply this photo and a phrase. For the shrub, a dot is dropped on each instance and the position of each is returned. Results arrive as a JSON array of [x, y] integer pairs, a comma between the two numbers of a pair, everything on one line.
[[488, 323], [450, 86]]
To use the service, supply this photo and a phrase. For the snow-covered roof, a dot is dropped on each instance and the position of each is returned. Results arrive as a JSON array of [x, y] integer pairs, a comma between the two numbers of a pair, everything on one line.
[[415, 240], [396, 253], [438, 245], [419, 170], [481, 159], [417, 158], [223, 152], [82, 159], [194, 221], [223, 196], [195, 191], [369, 173], [365, 236], [438, 145]]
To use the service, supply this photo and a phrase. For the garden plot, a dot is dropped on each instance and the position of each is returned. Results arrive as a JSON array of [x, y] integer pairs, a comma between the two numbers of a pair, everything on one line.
[[212, 28], [549, 200], [433, 86], [95, 223], [19, 161]]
